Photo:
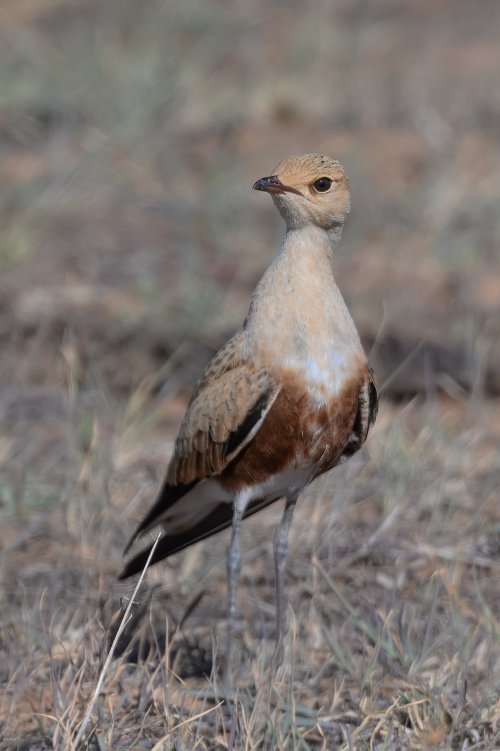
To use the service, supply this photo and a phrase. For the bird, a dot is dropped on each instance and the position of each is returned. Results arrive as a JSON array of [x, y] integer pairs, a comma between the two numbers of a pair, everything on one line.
[[287, 398]]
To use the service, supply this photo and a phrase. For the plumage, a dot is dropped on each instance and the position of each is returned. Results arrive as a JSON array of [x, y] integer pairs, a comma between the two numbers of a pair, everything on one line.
[[288, 397], [213, 430]]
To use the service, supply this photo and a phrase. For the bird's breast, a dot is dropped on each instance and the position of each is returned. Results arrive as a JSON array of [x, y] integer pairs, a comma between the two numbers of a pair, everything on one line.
[[323, 370], [298, 431]]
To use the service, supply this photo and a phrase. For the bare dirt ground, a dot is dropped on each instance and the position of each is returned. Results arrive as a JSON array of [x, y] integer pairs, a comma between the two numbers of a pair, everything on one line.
[[130, 241]]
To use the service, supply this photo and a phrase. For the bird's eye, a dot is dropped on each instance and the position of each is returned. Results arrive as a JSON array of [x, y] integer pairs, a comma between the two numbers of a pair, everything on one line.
[[323, 185]]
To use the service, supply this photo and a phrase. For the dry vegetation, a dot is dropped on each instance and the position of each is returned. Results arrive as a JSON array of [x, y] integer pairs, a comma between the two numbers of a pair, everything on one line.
[[130, 134]]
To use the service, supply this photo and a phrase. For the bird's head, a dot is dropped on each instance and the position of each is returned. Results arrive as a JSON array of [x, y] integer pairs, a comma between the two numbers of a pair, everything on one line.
[[309, 189]]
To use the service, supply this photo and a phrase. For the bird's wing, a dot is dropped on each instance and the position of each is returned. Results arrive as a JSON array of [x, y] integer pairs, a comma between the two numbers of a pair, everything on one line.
[[226, 410], [223, 416], [228, 357], [365, 416]]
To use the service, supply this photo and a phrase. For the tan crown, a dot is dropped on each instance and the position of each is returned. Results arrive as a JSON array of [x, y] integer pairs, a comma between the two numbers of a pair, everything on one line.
[[304, 170]]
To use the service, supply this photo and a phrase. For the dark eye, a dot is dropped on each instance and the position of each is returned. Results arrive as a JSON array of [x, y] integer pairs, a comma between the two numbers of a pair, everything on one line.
[[323, 184]]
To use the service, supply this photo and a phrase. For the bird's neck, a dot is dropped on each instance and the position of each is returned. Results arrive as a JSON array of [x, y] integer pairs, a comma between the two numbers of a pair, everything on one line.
[[335, 233], [302, 269], [297, 314], [307, 250]]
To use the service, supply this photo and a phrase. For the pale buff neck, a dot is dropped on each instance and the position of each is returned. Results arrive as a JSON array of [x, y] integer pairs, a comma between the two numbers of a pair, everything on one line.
[[297, 311]]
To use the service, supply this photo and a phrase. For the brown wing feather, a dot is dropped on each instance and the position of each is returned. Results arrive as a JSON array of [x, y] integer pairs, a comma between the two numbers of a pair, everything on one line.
[[226, 410], [229, 356]]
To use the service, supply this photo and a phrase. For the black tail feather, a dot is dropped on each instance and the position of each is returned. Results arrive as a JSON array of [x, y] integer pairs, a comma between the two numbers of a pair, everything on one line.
[[220, 518], [168, 495]]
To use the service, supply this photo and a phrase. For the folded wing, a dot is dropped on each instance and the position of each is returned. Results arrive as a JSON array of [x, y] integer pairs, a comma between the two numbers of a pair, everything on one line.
[[225, 413]]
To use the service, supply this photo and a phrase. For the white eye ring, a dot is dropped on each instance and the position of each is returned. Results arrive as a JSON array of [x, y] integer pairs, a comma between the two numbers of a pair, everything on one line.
[[322, 184]]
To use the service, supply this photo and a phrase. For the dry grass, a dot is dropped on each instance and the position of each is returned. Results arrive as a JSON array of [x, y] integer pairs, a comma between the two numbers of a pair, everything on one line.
[[129, 136], [394, 592]]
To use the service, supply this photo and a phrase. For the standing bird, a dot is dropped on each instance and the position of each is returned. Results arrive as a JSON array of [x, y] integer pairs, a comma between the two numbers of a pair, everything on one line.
[[287, 398]]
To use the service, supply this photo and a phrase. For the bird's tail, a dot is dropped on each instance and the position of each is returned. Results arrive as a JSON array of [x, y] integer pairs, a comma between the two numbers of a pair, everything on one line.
[[218, 519]]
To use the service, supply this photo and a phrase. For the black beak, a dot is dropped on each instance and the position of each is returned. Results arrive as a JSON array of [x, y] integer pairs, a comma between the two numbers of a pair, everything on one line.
[[273, 184]]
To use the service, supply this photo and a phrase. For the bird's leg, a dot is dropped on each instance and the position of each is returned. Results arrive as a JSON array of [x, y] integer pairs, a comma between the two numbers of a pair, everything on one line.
[[280, 555], [233, 569]]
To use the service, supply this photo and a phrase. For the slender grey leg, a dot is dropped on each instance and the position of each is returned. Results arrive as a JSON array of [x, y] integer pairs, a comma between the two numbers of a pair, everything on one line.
[[233, 570], [280, 555]]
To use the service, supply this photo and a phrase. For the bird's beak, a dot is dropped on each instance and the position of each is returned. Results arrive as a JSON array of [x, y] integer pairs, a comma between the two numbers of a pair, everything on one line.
[[273, 184]]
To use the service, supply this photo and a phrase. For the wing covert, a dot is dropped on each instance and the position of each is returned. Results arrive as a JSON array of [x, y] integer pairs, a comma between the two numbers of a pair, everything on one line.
[[223, 416]]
